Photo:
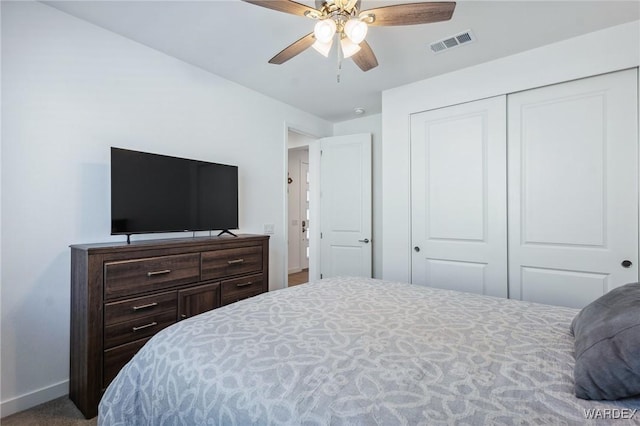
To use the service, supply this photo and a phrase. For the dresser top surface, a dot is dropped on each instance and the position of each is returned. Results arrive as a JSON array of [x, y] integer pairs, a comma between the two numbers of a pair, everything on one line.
[[167, 243]]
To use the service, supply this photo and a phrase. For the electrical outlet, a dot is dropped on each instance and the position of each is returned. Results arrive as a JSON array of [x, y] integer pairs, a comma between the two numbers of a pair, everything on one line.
[[268, 228]]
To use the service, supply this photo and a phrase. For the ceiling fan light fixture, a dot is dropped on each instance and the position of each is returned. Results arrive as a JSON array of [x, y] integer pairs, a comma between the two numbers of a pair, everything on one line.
[[349, 48], [346, 4], [356, 30], [324, 30], [333, 17], [323, 48]]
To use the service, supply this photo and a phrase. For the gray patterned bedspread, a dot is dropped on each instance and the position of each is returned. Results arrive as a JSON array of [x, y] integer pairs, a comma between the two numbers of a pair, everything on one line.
[[360, 352]]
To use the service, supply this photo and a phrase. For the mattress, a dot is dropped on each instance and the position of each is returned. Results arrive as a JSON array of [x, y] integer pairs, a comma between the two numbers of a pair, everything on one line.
[[360, 352]]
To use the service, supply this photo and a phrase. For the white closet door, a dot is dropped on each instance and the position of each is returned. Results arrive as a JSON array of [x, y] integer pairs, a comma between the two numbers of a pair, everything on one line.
[[573, 189], [458, 193]]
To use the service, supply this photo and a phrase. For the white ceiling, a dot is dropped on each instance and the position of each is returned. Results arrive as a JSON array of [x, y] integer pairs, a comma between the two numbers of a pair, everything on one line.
[[235, 40]]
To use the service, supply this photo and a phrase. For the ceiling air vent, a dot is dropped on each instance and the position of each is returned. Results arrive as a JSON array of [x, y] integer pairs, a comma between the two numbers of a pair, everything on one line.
[[465, 37]]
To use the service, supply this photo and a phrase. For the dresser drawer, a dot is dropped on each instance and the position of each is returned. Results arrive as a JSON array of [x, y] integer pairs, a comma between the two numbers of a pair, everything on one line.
[[126, 278], [241, 288], [138, 328], [221, 263], [116, 358], [130, 309]]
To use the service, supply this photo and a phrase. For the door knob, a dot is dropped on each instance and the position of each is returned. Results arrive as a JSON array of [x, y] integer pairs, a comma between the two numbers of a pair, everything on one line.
[[416, 248], [366, 240], [626, 264]]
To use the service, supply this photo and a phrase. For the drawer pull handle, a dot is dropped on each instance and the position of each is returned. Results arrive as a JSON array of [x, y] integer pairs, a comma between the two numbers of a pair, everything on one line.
[[164, 271], [142, 327], [233, 262], [147, 306], [244, 284]]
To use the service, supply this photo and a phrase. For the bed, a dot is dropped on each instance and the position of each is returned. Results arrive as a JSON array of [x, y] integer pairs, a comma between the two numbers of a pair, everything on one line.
[[360, 352]]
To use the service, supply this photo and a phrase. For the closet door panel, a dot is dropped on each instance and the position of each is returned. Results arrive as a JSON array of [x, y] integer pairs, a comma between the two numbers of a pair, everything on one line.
[[563, 171], [455, 165], [457, 275], [573, 189], [562, 287], [458, 191]]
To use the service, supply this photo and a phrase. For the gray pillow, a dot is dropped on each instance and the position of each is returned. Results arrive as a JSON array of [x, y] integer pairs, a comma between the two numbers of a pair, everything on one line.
[[607, 345]]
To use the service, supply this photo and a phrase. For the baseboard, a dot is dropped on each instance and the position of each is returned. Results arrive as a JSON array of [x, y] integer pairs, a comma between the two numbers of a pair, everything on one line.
[[31, 399], [294, 270]]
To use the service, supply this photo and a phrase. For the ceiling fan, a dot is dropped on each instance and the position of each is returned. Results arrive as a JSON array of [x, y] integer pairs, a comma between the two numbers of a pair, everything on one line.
[[344, 21]]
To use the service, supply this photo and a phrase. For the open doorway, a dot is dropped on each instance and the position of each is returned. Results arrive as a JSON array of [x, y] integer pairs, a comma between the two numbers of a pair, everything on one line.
[[301, 216]]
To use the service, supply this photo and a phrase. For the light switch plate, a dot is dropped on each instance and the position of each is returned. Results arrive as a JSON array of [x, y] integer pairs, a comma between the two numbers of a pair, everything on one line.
[[268, 228]]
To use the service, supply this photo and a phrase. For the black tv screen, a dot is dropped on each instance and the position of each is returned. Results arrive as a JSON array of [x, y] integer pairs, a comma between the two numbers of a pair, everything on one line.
[[158, 193]]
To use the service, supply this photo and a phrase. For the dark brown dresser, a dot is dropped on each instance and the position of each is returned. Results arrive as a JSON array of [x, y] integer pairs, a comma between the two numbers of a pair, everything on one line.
[[122, 294]]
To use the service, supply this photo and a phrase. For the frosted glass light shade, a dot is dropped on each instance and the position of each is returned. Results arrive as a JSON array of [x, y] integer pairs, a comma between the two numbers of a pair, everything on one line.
[[349, 48], [324, 30], [323, 48], [356, 30]]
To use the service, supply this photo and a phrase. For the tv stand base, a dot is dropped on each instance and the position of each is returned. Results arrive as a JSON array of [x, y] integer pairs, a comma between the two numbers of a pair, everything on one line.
[[226, 231]]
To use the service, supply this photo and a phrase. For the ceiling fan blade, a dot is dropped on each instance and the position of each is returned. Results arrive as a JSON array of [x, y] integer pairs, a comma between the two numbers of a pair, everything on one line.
[[411, 13], [365, 58], [293, 49], [286, 6]]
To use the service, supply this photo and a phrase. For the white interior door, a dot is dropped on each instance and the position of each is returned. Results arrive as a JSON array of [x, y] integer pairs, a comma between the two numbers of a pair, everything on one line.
[[345, 205], [458, 197], [573, 189]]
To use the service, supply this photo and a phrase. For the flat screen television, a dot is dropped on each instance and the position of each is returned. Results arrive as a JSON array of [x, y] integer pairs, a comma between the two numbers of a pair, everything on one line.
[[158, 193]]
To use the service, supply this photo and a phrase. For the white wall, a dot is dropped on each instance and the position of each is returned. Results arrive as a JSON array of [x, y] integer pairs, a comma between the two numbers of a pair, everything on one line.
[[603, 51], [298, 140], [70, 91], [370, 124]]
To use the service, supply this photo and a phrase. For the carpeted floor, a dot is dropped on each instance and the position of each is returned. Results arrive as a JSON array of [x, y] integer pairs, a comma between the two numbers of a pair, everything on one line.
[[59, 412]]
